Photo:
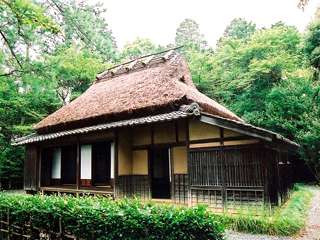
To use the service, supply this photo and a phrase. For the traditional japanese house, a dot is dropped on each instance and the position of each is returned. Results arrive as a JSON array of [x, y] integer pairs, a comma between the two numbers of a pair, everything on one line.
[[144, 129]]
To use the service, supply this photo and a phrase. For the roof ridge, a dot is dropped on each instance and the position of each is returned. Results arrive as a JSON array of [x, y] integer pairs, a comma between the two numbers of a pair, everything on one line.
[[138, 64]]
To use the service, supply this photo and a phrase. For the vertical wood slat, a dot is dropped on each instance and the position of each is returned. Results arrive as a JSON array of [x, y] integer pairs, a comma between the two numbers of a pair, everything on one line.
[[225, 168], [180, 188], [34, 232], [8, 227], [130, 185]]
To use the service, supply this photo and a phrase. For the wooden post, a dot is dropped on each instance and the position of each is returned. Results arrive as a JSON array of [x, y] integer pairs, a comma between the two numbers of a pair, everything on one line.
[[78, 164], [31, 229], [188, 161], [172, 174], [116, 165], [39, 157], [223, 172], [1, 228], [264, 158], [223, 180], [8, 227], [60, 230]]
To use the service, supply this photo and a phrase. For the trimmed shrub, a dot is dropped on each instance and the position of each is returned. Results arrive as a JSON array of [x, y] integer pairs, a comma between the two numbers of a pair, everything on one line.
[[104, 218]]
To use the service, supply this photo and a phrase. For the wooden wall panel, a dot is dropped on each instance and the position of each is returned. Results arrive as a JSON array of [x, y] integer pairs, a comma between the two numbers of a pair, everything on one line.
[[142, 135], [199, 130], [140, 162], [124, 153], [31, 169], [164, 133], [180, 165]]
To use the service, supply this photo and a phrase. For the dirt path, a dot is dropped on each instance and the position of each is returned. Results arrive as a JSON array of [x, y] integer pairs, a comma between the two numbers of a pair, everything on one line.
[[312, 231]]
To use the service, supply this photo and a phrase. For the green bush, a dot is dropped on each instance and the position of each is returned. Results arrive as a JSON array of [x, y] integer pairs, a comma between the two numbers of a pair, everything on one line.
[[286, 220], [104, 218]]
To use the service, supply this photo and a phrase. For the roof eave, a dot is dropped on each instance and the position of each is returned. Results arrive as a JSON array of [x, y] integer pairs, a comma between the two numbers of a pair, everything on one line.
[[249, 130]]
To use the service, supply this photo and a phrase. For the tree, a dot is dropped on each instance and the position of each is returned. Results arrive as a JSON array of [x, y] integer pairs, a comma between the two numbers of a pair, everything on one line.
[[139, 47], [20, 107], [73, 70], [188, 34], [18, 26], [251, 69], [80, 22], [196, 52], [39, 60], [293, 108], [263, 81], [312, 44], [239, 28]]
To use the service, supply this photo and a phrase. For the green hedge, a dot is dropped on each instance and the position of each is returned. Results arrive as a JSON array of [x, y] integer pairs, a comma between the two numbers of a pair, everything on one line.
[[104, 218]]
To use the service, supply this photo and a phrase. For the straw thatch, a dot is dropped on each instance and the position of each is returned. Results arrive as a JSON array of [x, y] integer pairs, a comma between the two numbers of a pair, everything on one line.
[[156, 85]]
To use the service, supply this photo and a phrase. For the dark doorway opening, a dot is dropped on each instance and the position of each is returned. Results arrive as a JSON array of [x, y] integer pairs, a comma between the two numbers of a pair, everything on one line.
[[101, 160], [46, 165], [69, 164], [160, 173]]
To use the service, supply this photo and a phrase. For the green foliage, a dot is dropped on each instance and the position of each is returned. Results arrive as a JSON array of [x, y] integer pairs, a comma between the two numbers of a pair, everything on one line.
[[104, 218], [40, 66], [20, 106], [294, 106], [73, 70], [138, 48], [188, 34], [262, 82], [287, 220], [80, 22], [311, 44], [239, 28], [20, 28]]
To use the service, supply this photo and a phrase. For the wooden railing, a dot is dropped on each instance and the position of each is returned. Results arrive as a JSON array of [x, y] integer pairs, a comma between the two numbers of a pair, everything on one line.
[[10, 231]]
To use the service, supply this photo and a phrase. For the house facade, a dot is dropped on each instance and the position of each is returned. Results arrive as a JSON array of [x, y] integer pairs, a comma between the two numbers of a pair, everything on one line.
[[142, 129]]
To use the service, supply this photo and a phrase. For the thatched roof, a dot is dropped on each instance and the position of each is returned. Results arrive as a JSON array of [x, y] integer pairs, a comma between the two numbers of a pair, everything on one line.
[[141, 88]]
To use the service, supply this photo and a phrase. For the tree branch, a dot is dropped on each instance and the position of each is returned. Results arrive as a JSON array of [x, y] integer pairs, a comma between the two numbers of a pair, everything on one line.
[[10, 48], [10, 73]]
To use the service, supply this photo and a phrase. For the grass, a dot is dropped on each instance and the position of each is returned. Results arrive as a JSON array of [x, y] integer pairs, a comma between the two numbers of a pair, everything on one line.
[[287, 220]]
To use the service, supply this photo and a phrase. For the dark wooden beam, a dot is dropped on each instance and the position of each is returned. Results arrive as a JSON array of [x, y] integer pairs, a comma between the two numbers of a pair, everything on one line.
[[221, 136], [158, 145], [222, 139], [247, 130], [152, 134], [176, 128], [225, 147], [78, 165]]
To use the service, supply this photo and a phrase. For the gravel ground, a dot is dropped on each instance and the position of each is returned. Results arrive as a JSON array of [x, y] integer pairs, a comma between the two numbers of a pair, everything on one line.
[[312, 231]]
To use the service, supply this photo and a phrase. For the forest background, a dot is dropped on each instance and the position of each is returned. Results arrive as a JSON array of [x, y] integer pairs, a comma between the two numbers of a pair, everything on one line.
[[51, 51]]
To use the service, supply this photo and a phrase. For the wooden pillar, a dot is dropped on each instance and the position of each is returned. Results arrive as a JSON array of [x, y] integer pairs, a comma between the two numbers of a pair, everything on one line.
[[39, 160], [171, 172], [78, 165], [223, 172], [152, 135], [264, 159], [188, 161], [150, 167], [116, 165]]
